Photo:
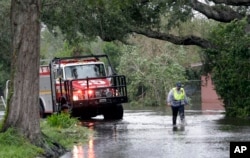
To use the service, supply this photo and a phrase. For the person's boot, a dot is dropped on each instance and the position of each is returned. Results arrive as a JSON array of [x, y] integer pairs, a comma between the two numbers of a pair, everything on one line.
[[174, 121], [175, 128], [183, 122]]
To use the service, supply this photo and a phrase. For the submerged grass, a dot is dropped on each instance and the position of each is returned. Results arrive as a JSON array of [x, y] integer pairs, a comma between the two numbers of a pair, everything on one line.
[[60, 128]]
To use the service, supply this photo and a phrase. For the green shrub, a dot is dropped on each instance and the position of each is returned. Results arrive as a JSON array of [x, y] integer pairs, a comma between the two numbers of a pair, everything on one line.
[[62, 120], [61, 126], [229, 65]]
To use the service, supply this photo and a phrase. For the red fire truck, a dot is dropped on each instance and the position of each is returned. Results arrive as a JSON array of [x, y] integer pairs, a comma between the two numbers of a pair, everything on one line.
[[86, 86]]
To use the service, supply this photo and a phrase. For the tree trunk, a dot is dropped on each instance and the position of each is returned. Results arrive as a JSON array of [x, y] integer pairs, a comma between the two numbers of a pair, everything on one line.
[[23, 104], [23, 113]]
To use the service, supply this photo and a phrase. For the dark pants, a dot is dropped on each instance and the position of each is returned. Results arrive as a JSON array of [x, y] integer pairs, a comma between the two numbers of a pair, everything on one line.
[[175, 111]]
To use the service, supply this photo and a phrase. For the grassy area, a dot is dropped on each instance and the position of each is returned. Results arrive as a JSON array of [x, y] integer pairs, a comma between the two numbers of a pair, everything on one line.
[[59, 128], [14, 146]]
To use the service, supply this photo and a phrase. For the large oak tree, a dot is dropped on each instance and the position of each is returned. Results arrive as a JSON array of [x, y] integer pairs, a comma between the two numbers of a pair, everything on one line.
[[22, 107], [25, 23]]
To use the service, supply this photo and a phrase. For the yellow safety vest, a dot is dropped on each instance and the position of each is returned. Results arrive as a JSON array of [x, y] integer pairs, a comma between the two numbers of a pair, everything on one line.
[[179, 96]]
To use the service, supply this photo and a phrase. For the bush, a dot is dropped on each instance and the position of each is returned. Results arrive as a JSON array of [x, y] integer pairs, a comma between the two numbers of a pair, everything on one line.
[[62, 120], [229, 64], [61, 126]]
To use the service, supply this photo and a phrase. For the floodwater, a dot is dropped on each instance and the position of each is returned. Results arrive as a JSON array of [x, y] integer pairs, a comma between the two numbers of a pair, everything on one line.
[[149, 133]]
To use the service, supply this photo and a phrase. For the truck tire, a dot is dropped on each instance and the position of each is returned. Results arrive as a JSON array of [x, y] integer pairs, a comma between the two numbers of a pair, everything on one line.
[[41, 110], [114, 112], [85, 117]]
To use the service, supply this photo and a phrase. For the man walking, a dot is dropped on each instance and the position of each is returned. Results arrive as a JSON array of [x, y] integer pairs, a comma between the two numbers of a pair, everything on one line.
[[177, 99]]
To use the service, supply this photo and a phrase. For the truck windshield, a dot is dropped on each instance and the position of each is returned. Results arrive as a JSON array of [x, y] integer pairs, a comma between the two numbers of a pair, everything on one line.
[[84, 71]]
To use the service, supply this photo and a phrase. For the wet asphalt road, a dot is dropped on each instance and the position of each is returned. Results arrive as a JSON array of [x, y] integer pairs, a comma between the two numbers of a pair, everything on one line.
[[149, 134]]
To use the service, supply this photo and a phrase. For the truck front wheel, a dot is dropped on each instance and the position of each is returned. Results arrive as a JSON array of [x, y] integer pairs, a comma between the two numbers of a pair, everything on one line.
[[114, 112]]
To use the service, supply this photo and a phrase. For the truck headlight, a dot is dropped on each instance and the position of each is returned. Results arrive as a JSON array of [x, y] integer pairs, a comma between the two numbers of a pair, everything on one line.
[[75, 97]]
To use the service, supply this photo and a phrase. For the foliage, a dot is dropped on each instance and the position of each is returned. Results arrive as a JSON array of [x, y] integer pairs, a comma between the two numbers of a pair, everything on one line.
[[100, 18], [62, 120], [67, 137], [51, 42], [14, 145], [230, 66], [115, 20], [61, 126], [66, 133], [114, 52], [174, 15], [151, 75]]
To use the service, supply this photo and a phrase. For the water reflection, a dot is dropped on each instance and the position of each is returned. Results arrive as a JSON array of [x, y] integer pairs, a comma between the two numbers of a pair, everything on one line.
[[88, 152], [77, 152], [91, 152], [106, 130], [80, 152]]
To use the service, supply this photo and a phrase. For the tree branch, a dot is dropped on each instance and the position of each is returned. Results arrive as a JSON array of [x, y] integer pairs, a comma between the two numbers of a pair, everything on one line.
[[233, 2], [218, 13], [185, 40]]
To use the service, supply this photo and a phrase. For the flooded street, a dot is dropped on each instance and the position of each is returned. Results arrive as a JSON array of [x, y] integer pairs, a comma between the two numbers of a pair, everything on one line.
[[149, 133]]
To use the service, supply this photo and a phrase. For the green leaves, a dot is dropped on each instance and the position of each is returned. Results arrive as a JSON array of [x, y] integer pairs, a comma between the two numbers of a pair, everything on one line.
[[62, 120], [108, 19], [231, 67], [150, 74]]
